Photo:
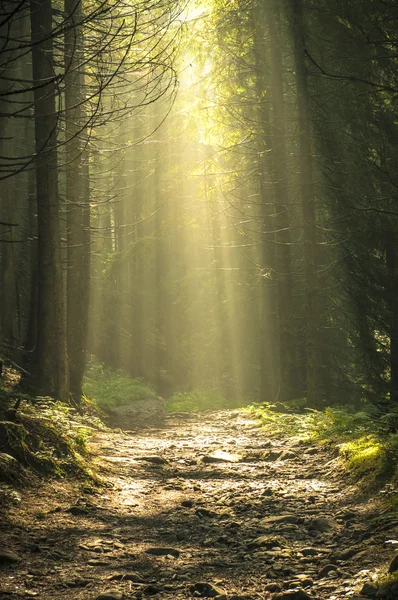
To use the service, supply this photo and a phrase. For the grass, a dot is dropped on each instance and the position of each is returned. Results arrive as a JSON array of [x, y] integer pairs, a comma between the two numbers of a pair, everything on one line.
[[366, 442], [200, 399], [42, 435], [109, 388]]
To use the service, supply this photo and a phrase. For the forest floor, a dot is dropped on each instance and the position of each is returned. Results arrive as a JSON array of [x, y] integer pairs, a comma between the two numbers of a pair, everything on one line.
[[205, 506]]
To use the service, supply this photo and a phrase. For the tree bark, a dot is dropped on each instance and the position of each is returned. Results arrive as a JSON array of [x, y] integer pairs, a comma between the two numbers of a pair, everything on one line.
[[311, 260], [77, 207], [51, 344]]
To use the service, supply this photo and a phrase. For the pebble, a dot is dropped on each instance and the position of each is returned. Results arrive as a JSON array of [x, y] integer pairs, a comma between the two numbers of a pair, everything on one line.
[[158, 551], [8, 557], [154, 460], [152, 590], [206, 590], [282, 519], [204, 512], [322, 524], [110, 595], [348, 553], [293, 595], [324, 572]]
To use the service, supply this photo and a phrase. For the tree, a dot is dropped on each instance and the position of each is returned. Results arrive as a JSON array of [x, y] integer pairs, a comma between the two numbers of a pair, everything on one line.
[[52, 372]]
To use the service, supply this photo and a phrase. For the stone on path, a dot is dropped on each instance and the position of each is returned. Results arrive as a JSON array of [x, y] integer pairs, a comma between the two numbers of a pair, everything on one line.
[[322, 524], [134, 577], [8, 557], [206, 590], [220, 456], [293, 595], [268, 542], [154, 460], [324, 572], [152, 590], [349, 552], [282, 519], [157, 551], [205, 513], [110, 595]]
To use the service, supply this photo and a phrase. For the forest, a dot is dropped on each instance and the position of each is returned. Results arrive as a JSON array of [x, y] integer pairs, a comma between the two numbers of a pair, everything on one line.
[[198, 213]]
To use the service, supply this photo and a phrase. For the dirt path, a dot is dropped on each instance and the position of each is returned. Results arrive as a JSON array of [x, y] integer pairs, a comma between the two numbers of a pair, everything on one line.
[[206, 506]]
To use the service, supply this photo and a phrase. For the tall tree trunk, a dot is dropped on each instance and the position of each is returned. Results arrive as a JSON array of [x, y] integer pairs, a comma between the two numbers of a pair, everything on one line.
[[392, 269], [51, 344], [311, 266], [9, 230], [289, 387], [77, 210]]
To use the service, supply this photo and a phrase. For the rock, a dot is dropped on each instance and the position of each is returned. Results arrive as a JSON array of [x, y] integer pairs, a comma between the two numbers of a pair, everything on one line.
[[309, 551], [110, 595], [219, 457], [293, 595], [272, 587], [156, 551], [272, 455], [206, 590], [187, 503], [77, 510], [151, 590], [312, 450], [134, 577], [326, 570], [322, 525], [305, 580], [282, 519], [268, 542], [8, 557], [148, 410], [154, 460], [77, 582], [348, 553], [204, 512], [287, 455], [368, 590], [393, 566]]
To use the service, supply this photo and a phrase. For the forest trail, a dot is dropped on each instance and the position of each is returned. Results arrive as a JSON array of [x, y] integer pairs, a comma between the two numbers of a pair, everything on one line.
[[205, 506]]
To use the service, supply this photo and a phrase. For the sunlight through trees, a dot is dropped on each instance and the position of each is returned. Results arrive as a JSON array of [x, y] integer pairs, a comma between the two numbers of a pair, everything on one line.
[[201, 195]]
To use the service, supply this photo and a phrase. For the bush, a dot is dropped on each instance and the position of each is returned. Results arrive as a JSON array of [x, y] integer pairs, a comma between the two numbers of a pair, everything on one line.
[[109, 388]]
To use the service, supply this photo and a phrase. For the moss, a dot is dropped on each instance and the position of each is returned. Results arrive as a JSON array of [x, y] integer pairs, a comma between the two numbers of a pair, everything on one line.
[[366, 458], [367, 448]]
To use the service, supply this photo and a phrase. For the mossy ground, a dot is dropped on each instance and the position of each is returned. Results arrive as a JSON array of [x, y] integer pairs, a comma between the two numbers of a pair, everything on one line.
[[41, 436], [365, 441]]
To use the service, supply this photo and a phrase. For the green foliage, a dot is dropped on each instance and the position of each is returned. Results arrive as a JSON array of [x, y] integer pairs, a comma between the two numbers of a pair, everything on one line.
[[199, 399], [47, 436], [367, 444], [109, 388], [366, 457]]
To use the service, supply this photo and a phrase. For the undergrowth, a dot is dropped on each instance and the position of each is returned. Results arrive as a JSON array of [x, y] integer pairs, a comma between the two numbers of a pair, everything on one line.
[[109, 388], [40, 435], [366, 440], [199, 399]]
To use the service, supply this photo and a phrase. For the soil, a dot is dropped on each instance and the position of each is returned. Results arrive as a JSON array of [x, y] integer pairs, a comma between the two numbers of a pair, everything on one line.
[[204, 506]]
